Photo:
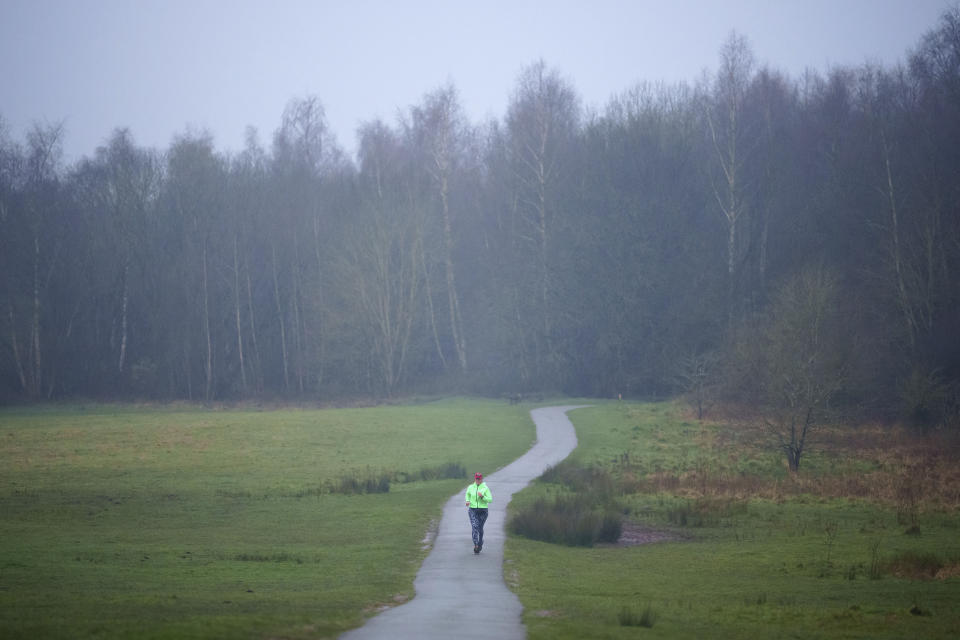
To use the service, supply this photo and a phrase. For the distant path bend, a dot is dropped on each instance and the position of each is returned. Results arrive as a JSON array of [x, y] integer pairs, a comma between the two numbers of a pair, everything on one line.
[[462, 595]]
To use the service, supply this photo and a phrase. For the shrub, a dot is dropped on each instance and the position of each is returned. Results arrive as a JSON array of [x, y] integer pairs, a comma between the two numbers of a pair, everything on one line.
[[574, 520], [355, 483], [611, 526], [581, 518], [629, 617]]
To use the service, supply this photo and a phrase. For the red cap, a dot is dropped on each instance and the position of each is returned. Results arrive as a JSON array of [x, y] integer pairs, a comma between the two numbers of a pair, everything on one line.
[[478, 476]]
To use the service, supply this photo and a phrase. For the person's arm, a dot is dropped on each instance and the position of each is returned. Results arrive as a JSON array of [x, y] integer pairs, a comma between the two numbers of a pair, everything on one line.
[[468, 496]]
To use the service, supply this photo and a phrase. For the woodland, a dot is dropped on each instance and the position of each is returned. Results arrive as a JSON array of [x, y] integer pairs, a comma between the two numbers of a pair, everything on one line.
[[748, 239]]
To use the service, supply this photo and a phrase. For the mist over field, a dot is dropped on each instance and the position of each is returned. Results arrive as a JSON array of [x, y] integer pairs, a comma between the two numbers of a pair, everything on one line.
[[750, 237]]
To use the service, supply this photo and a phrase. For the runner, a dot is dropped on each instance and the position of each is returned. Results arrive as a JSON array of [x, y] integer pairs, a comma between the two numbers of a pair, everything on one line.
[[478, 499]]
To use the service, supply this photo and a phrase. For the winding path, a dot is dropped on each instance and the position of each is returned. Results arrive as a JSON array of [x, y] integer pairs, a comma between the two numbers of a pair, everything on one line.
[[462, 595]]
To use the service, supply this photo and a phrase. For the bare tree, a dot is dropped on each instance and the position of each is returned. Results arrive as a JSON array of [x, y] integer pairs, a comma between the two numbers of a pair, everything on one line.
[[693, 374], [804, 359]]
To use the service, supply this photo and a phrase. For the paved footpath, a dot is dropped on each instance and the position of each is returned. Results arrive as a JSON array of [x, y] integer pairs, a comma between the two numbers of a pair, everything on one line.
[[460, 594]]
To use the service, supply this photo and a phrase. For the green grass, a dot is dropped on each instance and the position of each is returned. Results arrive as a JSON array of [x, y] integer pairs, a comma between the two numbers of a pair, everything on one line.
[[119, 522], [805, 564]]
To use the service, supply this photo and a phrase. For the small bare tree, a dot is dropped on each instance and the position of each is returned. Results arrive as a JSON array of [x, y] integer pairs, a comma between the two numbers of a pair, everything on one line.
[[803, 361], [692, 374]]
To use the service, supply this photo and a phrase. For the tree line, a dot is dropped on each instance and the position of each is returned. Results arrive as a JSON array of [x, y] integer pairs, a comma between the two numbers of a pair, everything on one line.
[[749, 237]]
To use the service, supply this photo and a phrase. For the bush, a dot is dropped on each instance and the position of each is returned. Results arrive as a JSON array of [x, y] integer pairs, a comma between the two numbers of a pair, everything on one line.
[[582, 518], [573, 520], [611, 526], [629, 617], [355, 483]]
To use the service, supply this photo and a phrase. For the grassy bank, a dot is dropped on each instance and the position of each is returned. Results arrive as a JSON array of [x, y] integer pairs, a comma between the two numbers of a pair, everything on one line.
[[178, 523], [863, 543]]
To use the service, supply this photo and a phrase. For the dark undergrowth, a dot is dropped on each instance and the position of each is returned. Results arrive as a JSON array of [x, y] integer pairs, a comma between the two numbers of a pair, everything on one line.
[[585, 514]]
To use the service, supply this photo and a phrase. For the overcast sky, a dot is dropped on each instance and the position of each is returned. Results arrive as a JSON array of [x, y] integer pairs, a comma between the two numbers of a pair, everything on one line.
[[160, 67]]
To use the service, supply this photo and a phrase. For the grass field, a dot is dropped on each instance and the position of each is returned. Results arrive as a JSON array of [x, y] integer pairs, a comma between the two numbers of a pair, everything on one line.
[[119, 522], [863, 543], [122, 522]]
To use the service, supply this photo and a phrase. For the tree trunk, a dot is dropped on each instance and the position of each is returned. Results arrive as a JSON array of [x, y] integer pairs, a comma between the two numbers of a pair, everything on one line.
[[257, 366], [431, 311], [298, 330], [283, 328], [236, 308], [543, 236], [124, 297], [208, 361], [906, 307], [321, 323], [17, 358], [36, 377], [456, 323]]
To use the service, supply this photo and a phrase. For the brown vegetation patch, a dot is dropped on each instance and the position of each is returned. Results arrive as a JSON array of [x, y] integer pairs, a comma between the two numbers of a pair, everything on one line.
[[949, 571], [914, 566], [888, 464], [633, 534], [908, 488]]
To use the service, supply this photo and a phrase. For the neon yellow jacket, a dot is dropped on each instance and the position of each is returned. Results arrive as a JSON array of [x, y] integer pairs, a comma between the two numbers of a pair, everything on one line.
[[478, 496]]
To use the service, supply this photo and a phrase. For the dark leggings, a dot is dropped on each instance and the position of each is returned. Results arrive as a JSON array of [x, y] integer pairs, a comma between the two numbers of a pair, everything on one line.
[[477, 518]]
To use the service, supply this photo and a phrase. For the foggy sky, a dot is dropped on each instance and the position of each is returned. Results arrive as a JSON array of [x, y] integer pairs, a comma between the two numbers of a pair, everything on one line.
[[161, 67]]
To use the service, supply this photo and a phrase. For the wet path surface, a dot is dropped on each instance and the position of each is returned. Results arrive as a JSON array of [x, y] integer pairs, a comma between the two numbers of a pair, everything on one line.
[[460, 594]]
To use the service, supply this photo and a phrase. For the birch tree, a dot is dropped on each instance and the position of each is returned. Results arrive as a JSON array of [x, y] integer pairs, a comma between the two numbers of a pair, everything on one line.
[[542, 120], [438, 127], [130, 180], [304, 152], [195, 187], [382, 260], [248, 192], [30, 211], [12, 255], [729, 139]]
